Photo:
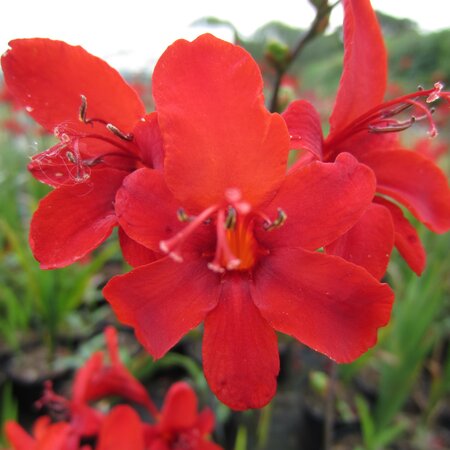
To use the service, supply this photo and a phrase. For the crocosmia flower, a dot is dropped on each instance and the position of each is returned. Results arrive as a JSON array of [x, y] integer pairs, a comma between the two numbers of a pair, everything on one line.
[[46, 436], [365, 126], [180, 425], [121, 429], [104, 134], [240, 235]]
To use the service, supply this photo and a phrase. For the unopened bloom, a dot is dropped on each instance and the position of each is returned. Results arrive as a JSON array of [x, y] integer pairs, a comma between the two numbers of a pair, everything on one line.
[[104, 134], [239, 233], [365, 126]]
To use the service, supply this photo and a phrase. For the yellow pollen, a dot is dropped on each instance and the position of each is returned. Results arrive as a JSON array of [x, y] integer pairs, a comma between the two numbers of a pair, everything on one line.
[[242, 244]]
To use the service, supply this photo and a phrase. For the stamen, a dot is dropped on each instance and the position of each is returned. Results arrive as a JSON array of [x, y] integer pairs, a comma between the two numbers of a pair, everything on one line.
[[71, 157], [234, 197], [223, 255], [172, 246], [230, 221], [82, 115], [182, 216], [392, 126], [376, 120], [83, 109], [114, 130], [435, 94], [277, 223], [427, 115]]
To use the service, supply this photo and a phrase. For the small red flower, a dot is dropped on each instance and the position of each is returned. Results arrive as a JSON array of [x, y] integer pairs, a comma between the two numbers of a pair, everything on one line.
[[239, 233], [103, 135], [96, 380], [46, 436], [121, 429], [180, 426], [364, 126]]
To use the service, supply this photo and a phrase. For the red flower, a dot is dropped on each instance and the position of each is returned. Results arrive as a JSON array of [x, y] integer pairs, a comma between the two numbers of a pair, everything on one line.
[[121, 429], [96, 380], [104, 135], [180, 426], [46, 436], [364, 126], [219, 210]]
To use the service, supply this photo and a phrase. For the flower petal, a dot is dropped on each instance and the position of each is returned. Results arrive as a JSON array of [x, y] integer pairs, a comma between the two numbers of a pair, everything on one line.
[[180, 408], [48, 77], [369, 243], [147, 136], [322, 201], [216, 129], [407, 240], [18, 437], [163, 300], [416, 182], [146, 209], [305, 128], [121, 429], [58, 436], [240, 352], [327, 303], [134, 253], [72, 221], [363, 81]]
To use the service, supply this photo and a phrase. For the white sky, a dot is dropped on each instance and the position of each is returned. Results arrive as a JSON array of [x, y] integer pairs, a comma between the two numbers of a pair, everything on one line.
[[133, 33]]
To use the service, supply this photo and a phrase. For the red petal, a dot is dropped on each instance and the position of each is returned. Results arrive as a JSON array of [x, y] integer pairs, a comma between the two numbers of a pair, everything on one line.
[[72, 221], [146, 209], [240, 352], [206, 421], [407, 240], [48, 77], [134, 253], [180, 408], [147, 136], [207, 445], [59, 436], [363, 81], [18, 437], [121, 429], [414, 181], [304, 127], [330, 305], [322, 201], [216, 129], [369, 243], [163, 300], [83, 377]]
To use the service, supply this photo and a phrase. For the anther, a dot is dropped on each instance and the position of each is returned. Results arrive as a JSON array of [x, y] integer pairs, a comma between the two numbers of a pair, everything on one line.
[[392, 127], [114, 130], [277, 223], [71, 157], [83, 108], [230, 221], [182, 216]]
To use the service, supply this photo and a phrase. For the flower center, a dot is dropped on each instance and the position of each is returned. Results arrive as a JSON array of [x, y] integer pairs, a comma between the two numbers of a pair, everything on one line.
[[234, 221]]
